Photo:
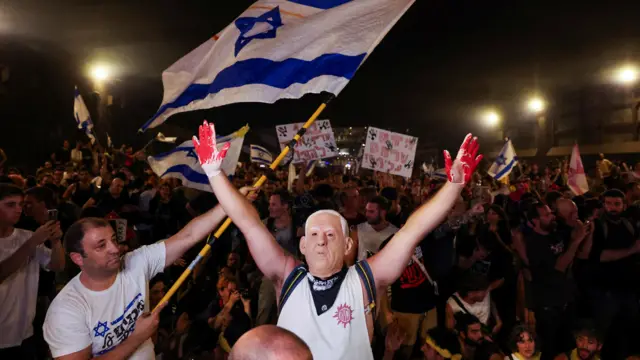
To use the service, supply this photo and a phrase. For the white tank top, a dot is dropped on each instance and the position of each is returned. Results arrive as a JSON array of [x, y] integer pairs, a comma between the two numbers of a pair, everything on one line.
[[481, 309], [370, 240], [340, 332]]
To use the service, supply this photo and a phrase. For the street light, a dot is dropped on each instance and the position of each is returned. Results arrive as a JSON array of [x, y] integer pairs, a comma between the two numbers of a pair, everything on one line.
[[536, 105], [491, 118], [100, 72], [626, 75]]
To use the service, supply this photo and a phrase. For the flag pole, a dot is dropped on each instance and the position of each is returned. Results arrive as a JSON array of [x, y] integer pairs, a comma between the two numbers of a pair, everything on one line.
[[211, 239]]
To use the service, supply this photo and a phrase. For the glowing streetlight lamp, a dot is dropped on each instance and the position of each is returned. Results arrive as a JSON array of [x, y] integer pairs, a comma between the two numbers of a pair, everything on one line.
[[491, 118], [626, 75], [536, 105], [100, 73]]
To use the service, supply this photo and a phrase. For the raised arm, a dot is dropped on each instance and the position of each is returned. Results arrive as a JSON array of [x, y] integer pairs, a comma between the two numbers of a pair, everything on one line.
[[16, 260], [270, 258], [194, 232], [387, 265]]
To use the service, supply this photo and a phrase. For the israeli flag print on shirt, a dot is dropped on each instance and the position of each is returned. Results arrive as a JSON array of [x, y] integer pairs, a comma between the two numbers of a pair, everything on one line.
[[278, 49]]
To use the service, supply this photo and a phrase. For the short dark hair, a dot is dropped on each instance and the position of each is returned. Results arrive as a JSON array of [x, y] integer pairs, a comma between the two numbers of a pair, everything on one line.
[[381, 201], [43, 194], [324, 191], [389, 193], [613, 193], [587, 327], [8, 190], [75, 233], [464, 320], [531, 211], [285, 196], [551, 198], [472, 282]]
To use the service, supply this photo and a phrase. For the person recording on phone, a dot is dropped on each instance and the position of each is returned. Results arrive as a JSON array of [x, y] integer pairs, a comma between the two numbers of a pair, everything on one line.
[[22, 254]]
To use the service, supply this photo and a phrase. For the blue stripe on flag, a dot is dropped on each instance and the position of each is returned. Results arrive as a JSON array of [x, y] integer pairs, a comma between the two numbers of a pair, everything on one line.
[[173, 151], [278, 74], [260, 160], [260, 148], [188, 173], [506, 169], [321, 4]]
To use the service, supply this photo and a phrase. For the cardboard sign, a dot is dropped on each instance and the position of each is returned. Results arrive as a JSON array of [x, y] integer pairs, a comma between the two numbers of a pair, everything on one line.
[[317, 143], [389, 152]]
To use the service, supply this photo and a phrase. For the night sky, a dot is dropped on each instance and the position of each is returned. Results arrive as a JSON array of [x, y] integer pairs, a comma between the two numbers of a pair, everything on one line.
[[441, 62]]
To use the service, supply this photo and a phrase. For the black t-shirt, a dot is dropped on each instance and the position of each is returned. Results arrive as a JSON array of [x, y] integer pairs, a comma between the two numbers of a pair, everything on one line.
[[412, 293], [398, 219], [87, 158], [80, 196], [613, 275], [107, 203], [353, 222], [63, 156], [550, 286]]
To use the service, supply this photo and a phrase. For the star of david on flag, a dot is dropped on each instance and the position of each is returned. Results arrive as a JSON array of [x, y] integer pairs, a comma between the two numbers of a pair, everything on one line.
[[261, 155], [182, 162], [278, 49], [261, 27], [504, 163]]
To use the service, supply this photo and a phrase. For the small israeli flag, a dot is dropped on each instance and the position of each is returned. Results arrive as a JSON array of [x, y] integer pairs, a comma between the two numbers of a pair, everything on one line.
[[261, 155], [505, 162], [82, 116]]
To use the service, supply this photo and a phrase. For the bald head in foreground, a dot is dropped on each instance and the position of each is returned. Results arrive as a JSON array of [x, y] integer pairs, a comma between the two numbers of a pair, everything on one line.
[[269, 342]]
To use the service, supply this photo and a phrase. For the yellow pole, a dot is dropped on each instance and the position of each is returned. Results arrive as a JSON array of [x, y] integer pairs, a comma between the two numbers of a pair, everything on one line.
[[207, 247]]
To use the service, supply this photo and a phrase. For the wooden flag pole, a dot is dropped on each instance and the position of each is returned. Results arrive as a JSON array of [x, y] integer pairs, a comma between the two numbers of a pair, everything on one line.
[[210, 239]]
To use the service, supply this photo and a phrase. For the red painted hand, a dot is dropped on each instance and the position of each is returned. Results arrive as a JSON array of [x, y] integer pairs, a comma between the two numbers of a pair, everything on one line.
[[208, 155], [460, 170]]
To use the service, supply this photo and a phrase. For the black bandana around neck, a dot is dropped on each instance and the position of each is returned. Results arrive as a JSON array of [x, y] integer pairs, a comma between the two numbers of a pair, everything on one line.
[[325, 292]]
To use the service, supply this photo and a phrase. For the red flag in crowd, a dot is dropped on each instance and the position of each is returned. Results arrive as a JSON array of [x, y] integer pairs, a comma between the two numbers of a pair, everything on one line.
[[577, 178]]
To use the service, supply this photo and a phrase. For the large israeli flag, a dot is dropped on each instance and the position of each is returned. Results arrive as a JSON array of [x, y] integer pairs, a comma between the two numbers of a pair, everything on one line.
[[278, 49], [505, 162], [82, 116], [261, 155], [182, 162]]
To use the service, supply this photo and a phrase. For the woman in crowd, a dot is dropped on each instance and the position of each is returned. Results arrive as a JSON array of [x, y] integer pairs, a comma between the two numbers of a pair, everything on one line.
[[523, 345]]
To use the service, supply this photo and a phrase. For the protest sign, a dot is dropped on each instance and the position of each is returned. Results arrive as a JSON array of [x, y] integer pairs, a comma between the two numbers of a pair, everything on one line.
[[317, 143], [389, 152]]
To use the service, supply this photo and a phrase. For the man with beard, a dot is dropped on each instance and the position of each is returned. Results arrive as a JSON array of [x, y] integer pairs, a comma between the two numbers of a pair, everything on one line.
[[471, 339], [103, 312], [370, 234], [588, 344], [553, 287], [614, 250], [331, 307]]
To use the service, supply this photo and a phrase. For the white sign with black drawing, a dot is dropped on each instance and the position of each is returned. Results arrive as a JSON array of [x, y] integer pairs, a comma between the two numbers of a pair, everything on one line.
[[317, 143], [389, 152]]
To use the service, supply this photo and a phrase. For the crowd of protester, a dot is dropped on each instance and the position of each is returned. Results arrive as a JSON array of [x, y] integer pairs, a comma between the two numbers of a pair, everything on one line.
[[519, 270]]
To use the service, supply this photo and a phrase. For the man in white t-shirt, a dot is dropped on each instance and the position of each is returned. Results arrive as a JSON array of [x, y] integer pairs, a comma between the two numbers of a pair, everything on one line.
[[371, 234], [103, 312], [22, 254], [329, 306]]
